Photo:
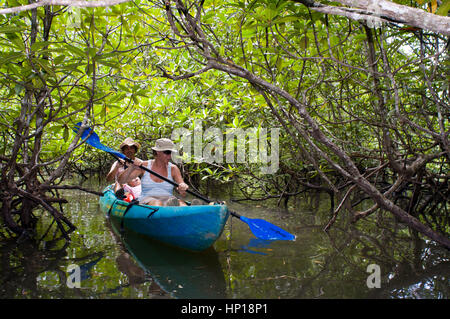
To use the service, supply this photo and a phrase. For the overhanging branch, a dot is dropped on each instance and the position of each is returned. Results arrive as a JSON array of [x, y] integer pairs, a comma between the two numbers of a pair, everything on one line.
[[383, 11], [72, 3]]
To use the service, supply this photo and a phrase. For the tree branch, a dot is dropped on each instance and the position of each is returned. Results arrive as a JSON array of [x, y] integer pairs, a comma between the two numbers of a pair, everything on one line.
[[70, 3], [384, 11]]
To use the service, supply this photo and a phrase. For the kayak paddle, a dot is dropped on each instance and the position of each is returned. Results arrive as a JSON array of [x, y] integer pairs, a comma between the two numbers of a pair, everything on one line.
[[263, 229], [259, 227]]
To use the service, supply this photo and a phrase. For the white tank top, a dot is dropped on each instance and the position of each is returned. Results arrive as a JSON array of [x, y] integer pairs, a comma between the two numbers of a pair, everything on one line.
[[152, 188]]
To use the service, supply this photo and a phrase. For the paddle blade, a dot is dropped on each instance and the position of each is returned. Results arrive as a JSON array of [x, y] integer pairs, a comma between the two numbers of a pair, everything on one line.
[[94, 141], [265, 230]]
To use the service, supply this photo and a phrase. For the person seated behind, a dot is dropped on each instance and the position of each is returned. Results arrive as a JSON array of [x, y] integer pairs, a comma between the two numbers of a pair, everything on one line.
[[155, 191], [129, 148]]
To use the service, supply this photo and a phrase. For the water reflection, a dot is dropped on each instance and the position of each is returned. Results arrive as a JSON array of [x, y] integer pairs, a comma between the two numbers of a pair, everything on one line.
[[334, 264], [85, 268], [316, 265], [256, 243], [30, 270], [180, 273]]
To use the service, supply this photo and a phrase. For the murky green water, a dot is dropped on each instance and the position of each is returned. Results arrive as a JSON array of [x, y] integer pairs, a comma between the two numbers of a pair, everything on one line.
[[316, 265]]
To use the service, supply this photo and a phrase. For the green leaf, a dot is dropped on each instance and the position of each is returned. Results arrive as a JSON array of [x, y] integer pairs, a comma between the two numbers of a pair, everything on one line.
[[47, 67], [66, 133], [9, 57], [286, 19], [18, 43], [279, 64], [107, 55], [39, 45], [12, 29], [72, 67], [444, 8], [76, 50], [334, 40], [59, 59], [108, 63], [92, 52], [303, 42], [248, 32], [269, 14], [89, 69], [360, 37]]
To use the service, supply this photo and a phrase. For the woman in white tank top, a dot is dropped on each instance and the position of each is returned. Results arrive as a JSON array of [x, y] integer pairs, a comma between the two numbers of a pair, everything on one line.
[[155, 191]]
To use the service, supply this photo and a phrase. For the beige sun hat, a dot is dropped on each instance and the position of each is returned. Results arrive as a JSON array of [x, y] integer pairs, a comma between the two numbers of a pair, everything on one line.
[[164, 144], [129, 142]]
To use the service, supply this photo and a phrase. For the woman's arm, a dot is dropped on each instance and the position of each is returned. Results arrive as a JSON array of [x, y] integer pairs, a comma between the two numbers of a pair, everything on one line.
[[131, 172], [182, 186]]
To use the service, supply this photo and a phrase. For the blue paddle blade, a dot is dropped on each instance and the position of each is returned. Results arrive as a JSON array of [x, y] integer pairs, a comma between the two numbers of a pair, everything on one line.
[[94, 141], [265, 230]]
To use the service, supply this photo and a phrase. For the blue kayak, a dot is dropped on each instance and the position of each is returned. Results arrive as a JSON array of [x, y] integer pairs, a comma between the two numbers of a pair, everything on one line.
[[190, 227]]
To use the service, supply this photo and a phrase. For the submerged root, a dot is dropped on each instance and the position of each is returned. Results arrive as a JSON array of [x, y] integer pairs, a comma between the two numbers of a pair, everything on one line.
[[17, 214]]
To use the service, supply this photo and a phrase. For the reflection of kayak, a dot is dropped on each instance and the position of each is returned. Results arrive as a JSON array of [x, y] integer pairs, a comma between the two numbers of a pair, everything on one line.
[[181, 273], [189, 227]]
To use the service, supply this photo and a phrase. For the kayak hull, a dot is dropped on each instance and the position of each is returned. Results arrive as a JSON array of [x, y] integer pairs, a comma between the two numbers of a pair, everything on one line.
[[189, 227]]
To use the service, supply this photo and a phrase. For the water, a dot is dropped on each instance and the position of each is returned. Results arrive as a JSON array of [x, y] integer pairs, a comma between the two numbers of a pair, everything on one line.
[[315, 265]]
